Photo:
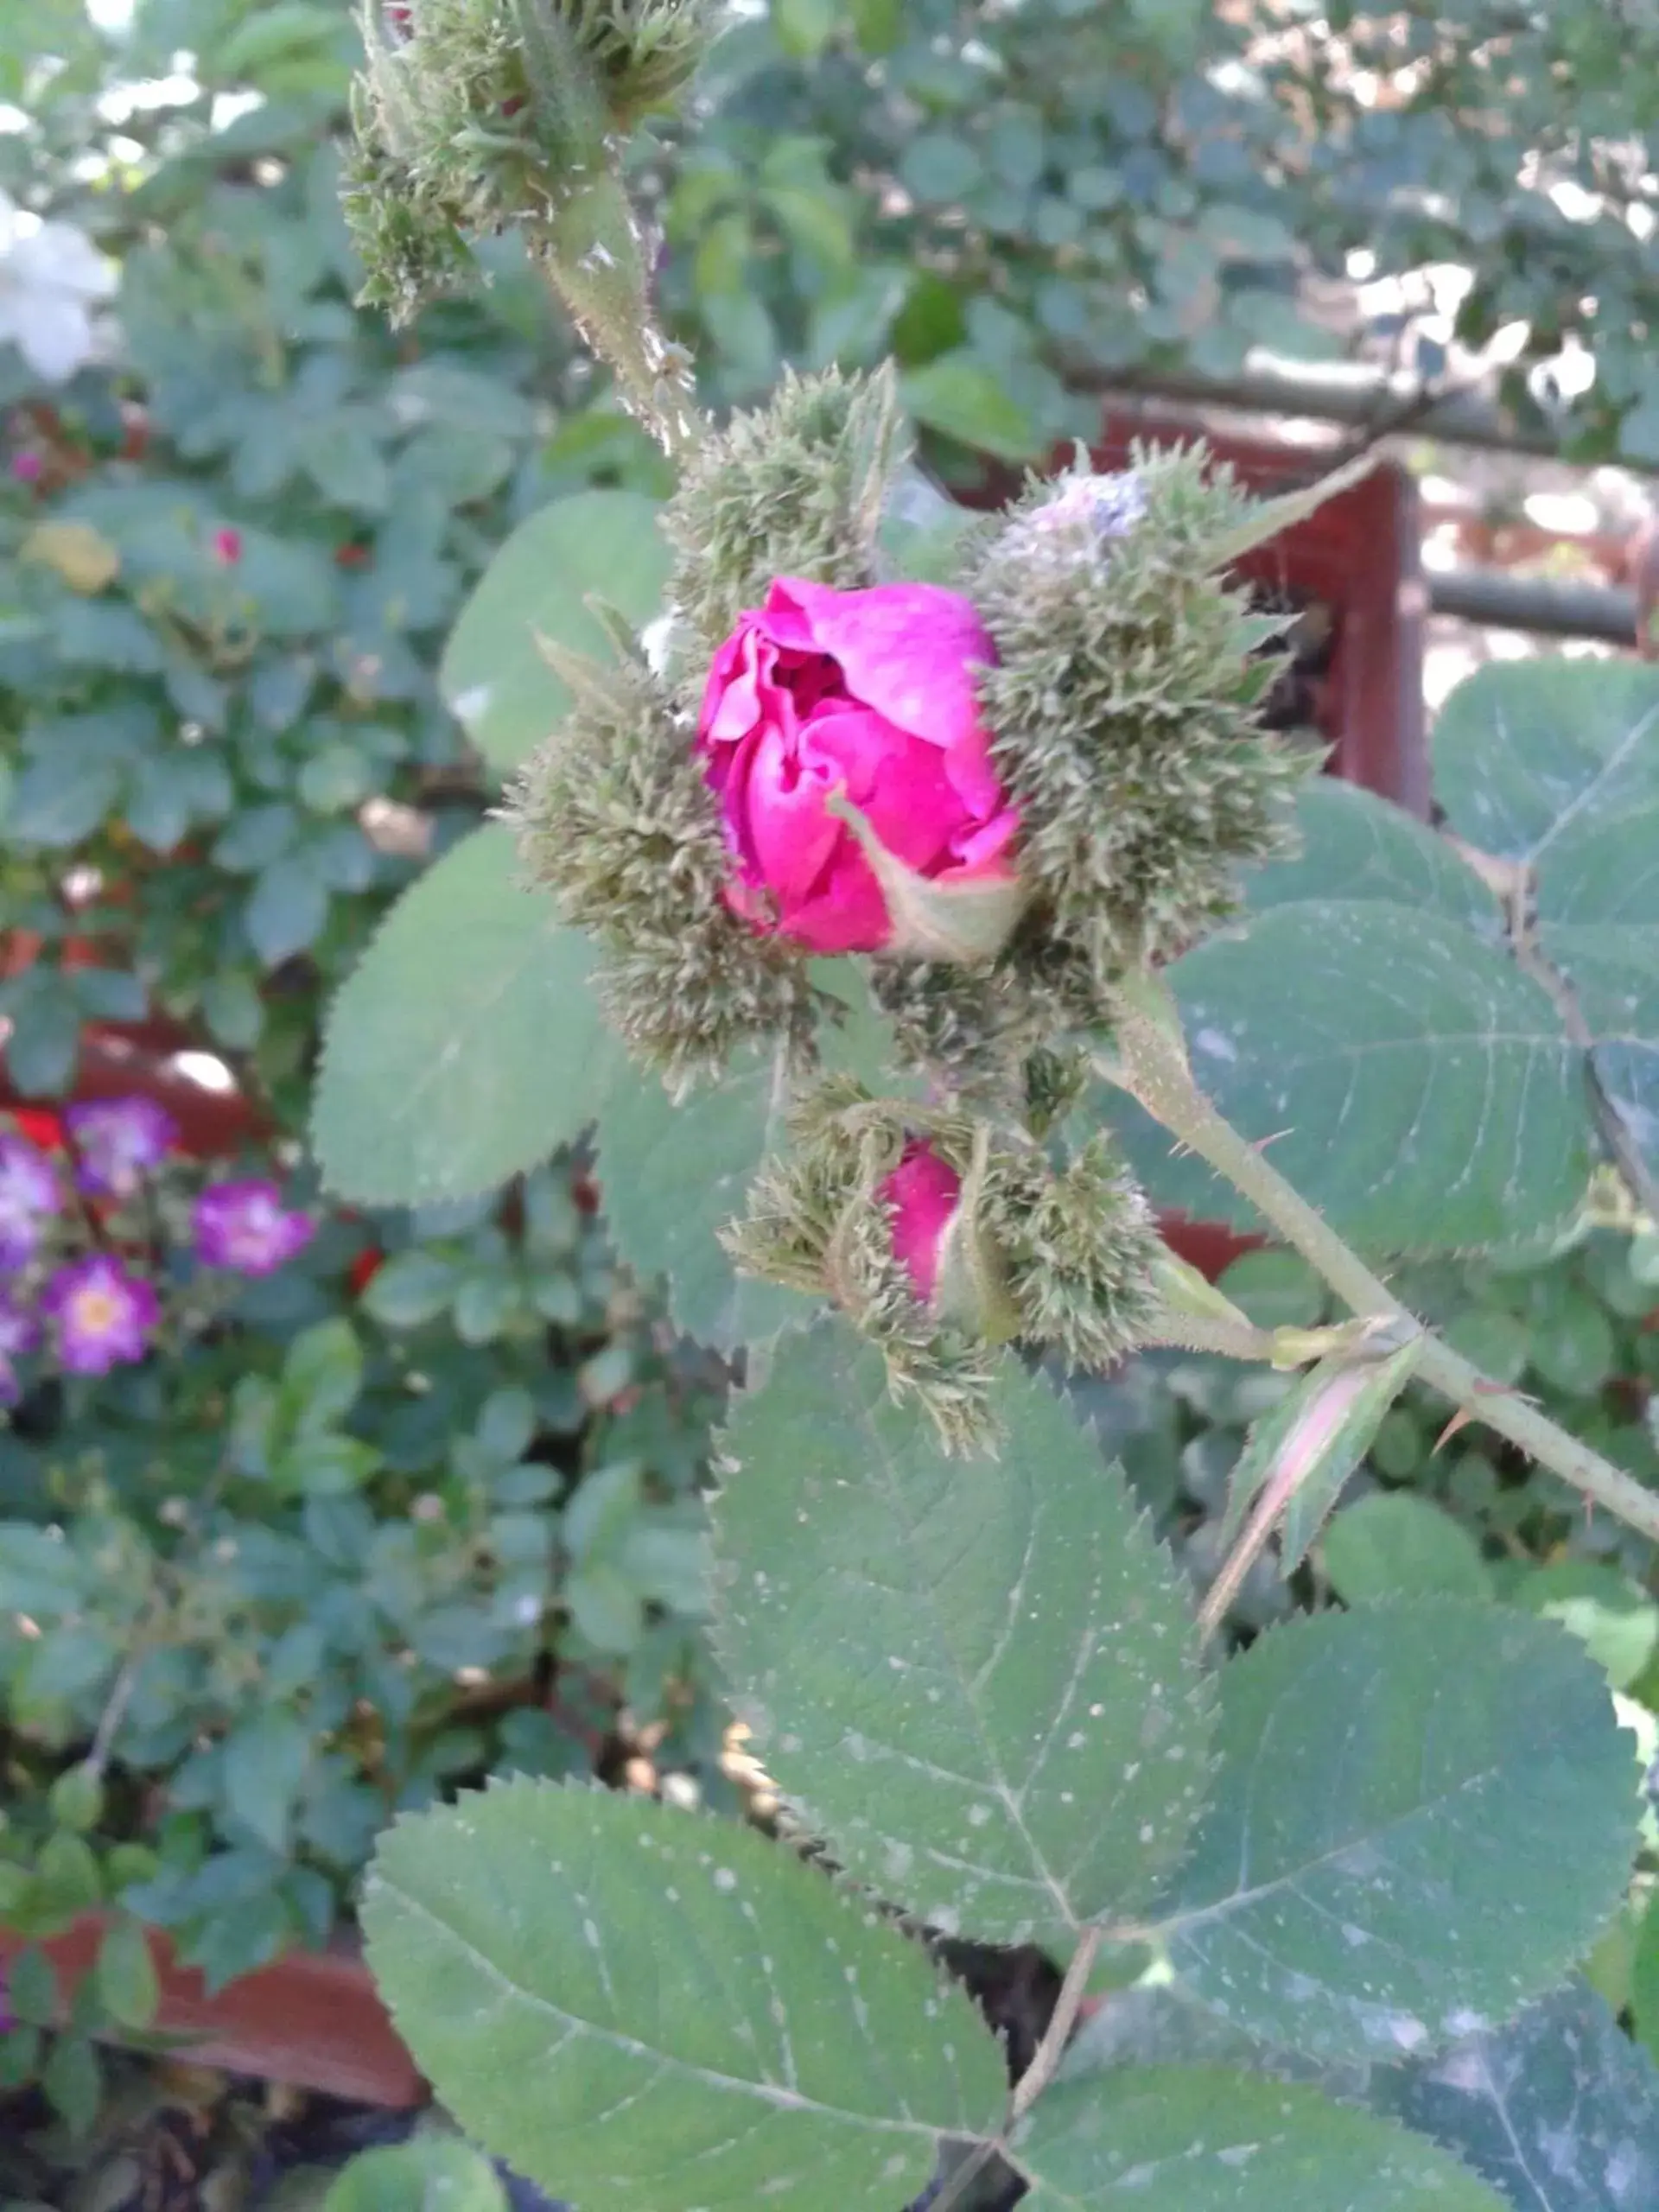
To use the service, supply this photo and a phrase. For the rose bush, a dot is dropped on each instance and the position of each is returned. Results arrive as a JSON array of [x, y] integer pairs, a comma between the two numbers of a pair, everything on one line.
[[866, 696]]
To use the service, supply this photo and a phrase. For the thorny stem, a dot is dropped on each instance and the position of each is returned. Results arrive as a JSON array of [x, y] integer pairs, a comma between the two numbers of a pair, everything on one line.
[[1045, 2061], [1038, 2075], [1152, 1067]]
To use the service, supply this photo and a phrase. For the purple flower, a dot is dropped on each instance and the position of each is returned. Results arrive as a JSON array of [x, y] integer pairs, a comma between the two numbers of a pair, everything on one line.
[[245, 1227], [19, 1333], [102, 1315], [29, 1196], [118, 1141]]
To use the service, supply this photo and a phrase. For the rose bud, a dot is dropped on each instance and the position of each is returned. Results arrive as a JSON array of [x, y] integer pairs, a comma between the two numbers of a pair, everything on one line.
[[842, 734], [923, 1193]]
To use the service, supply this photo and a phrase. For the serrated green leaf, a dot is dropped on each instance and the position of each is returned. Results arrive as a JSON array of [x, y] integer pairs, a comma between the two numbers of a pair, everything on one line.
[[434, 2173], [1554, 763], [603, 544], [1199, 2138], [1355, 845], [1558, 2109], [1399, 1848], [549, 1952], [976, 1675], [1419, 1088], [674, 1175], [466, 1046], [1395, 1544]]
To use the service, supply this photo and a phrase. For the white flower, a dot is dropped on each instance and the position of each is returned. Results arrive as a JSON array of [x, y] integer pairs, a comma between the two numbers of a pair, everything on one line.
[[50, 273]]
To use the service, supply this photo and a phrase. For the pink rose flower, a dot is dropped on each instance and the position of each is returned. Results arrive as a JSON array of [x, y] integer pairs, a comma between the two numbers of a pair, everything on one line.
[[923, 1193], [227, 547], [868, 697]]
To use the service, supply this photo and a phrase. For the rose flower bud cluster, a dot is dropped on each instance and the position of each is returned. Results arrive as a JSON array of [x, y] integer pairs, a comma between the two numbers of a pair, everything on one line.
[[1004, 787], [942, 1239]]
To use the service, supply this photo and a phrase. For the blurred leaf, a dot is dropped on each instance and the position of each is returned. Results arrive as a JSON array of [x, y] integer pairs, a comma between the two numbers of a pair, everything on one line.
[[72, 2079], [1394, 1545], [959, 397], [75, 550], [676, 1174], [465, 1046], [433, 2173], [287, 909], [409, 1288], [1613, 1618], [127, 1980], [265, 1758], [605, 544]]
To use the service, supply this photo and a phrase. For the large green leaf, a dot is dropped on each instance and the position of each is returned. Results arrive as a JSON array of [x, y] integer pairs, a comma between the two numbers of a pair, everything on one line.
[[976, 1676], [1555, 764], [674, 1175], [604, 544], [1358, 846], [466, 1045], [1418, 1088], [1559, 2109], [653, 2011], [1199, 2138], [1425, 1814]]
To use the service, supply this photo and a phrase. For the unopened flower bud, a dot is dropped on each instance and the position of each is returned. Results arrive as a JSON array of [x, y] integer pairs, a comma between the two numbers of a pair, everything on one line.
[[922, 1193]]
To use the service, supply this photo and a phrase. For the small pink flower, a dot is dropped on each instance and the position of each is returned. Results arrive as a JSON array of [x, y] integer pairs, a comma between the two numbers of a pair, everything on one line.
[[923, 1193], [227, 547], [117, 1141], [102, 1317], [245, 1228], [869, 695], [28, 468]]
